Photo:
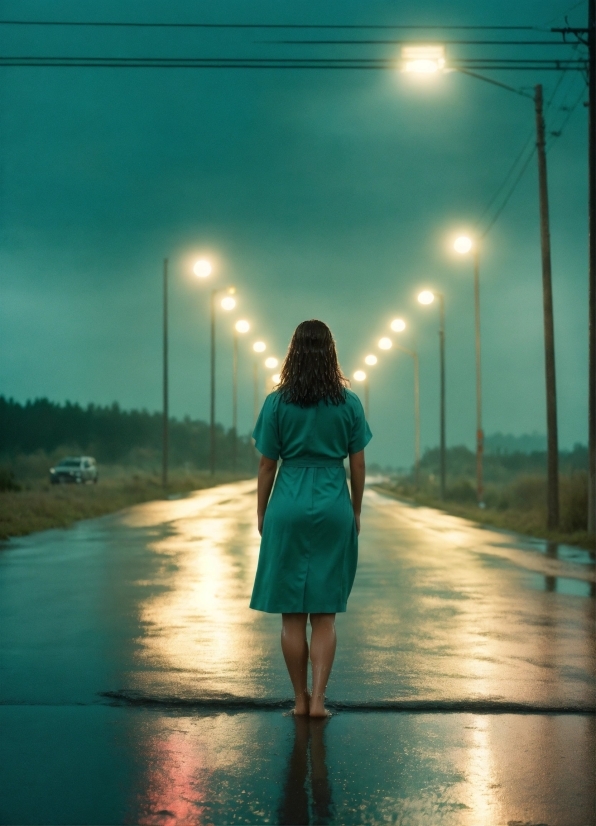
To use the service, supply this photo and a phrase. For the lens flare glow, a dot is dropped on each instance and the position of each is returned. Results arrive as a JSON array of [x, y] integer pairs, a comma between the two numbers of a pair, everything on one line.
[[228, 303], [202, 268], [426, 297], [276, 378], [370, 360], [385, 343], [398, 325], [259, 346], [360, 375], [271, 362], [463, 244], [242, 326]]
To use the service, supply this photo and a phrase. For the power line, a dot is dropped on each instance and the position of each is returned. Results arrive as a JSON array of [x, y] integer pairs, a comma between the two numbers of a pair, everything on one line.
[[142, 25]]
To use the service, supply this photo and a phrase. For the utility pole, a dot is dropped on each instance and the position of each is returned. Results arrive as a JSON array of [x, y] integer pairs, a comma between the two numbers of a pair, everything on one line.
[[235, 400], [442, 370], [165, 445], [549, 331], [414, 356], [592, 268], [479, 430], [212, 400]]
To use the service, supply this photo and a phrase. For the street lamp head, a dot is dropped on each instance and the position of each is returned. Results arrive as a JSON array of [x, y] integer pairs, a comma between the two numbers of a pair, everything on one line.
[[398, 325], [242, 326], [271, 362], [423, 59], [426, 297], [385, 343], [276, 378], [360, 375], [228, 303], [202, 268], [463, 244], [259, 346], [370, 360]]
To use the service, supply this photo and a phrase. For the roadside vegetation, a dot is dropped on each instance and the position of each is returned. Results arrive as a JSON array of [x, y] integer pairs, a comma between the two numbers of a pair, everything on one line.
[[126, 444], [515, 491]]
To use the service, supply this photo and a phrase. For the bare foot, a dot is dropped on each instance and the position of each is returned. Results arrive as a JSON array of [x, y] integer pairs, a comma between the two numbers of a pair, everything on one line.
[[302, 704], [317, 706]]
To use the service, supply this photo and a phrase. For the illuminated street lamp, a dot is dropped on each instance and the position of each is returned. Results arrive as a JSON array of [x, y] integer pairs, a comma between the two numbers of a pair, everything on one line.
[[240, 328], [385, 343], [398, 325], [276, 378], [202, 268], [271, 363], [370, 360], [361, 376], [427, 297], [423, 59], [463, 245]]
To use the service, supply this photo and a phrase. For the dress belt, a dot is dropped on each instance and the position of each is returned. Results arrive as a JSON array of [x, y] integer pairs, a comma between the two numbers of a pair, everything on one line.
[[315, 461]]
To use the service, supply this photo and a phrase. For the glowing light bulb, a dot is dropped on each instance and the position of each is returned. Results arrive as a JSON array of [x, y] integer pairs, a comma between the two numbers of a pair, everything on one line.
[[259, 346], [385, 343], [423, 60], [370, 360], [242, 326], [463, 244], [398, 325], [202, 268], [271, 362], [276, 378], [228, 303], [360, 375], [426, 297]]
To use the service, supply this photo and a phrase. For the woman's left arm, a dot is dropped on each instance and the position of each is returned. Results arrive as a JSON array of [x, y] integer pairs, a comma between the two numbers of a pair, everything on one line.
[[267, 471]]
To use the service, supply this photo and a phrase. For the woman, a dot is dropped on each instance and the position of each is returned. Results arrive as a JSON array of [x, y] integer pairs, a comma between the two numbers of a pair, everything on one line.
[[309, 526]]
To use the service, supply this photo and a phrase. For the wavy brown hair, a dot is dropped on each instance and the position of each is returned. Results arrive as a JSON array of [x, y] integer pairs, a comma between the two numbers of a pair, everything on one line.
[[311, 372]]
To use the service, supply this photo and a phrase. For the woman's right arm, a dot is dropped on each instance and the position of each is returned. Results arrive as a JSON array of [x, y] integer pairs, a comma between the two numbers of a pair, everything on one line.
[[357, 475]]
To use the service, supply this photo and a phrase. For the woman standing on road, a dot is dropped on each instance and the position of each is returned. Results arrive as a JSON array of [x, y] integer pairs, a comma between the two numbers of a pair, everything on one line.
[[309, 526]]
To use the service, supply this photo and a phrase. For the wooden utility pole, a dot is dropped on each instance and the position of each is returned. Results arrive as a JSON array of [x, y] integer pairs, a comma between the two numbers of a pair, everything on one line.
[[549, 330], [592, 268], [165, 445]]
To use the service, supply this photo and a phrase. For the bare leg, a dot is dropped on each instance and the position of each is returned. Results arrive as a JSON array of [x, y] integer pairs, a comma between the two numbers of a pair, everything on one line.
[[295, 651], [322, 652]]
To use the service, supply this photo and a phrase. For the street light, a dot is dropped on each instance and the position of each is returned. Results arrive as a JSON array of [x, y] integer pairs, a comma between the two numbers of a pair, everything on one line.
[[228, 303], [258, 347], [463, 245], [427, 297], [240, 327], [419, 61], [423, 59], [202, 268], [361, 376], [271, 362], [370, 360], [398, 325], [385, 343]]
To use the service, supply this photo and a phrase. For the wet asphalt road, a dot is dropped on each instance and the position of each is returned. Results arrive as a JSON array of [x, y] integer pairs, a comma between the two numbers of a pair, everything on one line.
[[136, 686]]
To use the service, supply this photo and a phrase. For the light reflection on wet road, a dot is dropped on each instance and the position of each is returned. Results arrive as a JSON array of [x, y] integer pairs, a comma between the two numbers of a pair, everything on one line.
[[150, 607]]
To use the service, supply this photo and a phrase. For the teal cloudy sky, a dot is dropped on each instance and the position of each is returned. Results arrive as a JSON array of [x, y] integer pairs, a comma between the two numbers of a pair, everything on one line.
[[328, 194]]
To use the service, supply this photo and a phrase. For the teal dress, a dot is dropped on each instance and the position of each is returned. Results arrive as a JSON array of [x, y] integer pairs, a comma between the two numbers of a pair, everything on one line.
[[309, 547]]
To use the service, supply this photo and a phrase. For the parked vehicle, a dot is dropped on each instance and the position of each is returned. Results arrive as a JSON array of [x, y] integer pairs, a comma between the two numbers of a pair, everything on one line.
[[75, 470]]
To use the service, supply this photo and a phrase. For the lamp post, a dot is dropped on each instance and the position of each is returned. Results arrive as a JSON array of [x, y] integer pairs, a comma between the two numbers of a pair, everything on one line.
[[240, 327], [398, 325], [165, 430], [428, 60], [428, 297], [258, 347], [361, 376], [464, 245]]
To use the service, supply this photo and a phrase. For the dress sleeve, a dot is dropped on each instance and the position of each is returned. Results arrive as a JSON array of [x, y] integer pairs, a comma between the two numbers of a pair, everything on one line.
[[266, 432], [361, 433]]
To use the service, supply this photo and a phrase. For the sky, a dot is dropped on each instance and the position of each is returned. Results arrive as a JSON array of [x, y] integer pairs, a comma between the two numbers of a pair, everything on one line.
[[316, 194]]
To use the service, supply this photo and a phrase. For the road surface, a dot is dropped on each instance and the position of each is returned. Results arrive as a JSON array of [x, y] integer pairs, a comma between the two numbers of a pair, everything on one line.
[[136, 685]]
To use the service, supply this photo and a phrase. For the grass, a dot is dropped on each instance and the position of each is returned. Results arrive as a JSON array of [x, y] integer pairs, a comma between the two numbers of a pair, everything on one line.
[[40, 506], [516, 506]]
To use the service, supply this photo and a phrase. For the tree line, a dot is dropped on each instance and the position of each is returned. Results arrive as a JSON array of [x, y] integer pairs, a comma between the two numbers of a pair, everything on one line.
[[111, 434]]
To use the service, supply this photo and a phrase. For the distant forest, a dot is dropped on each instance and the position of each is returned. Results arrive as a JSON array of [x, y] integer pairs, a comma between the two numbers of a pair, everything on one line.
[[113, 435]]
